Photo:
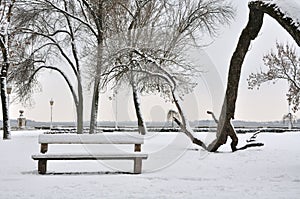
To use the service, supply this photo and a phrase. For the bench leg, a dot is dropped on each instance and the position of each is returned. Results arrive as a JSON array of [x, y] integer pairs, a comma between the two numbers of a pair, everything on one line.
[[137, 148], [42, 166], [137, 165], [44, 148]]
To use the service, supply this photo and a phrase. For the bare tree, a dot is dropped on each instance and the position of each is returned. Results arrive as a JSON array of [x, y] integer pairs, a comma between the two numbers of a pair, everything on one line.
[[64, 23], [159, 34], [282, 64], [6, 8], [133, 22], [95, 15], [53, 37]]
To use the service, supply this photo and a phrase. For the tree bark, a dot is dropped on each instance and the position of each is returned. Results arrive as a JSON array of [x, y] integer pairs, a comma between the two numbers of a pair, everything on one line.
[[80, 107], [5, 111], [141, 123], [3, 79], [225, 127], [95, 106], [95, 100], [6, 13]]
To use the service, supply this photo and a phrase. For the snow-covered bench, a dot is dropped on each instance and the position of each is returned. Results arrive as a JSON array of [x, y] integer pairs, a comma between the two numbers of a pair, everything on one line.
[[46, 139]]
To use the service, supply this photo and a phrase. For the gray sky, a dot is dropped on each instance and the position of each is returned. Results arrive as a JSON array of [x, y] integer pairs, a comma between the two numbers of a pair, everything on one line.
[[268, 103]]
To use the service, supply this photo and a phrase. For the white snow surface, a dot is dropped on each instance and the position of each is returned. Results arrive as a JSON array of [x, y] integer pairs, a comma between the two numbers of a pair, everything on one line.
[[290, 8], [175, 169], [103, 138]]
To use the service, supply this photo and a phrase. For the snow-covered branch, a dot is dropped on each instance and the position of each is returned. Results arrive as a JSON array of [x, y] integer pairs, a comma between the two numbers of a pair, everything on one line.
[[54, 43], [89, 26]]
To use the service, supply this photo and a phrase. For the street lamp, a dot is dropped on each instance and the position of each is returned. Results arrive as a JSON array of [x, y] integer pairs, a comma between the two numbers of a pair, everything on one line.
[[51, 112], [8, 89], [116, 113], [115, 95]]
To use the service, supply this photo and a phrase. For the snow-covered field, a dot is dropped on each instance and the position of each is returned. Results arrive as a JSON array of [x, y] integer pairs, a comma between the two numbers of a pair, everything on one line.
[[174, 169]]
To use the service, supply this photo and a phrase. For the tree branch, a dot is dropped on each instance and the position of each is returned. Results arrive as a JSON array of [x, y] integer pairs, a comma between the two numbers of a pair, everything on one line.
[[63, 75]]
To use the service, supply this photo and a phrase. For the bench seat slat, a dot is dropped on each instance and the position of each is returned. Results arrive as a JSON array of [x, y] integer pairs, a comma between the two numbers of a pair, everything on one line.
[[90, 139], [89, 156]]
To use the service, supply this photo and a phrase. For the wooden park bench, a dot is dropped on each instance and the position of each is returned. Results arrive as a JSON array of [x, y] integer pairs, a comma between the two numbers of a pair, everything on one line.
[[70, 139]]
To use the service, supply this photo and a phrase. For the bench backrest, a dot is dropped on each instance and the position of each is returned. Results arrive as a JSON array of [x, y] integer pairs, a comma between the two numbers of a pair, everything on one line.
[[90, 139]]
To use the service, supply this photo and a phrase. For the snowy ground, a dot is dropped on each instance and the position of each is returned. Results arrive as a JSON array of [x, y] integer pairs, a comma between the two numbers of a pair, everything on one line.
[[175, 169]]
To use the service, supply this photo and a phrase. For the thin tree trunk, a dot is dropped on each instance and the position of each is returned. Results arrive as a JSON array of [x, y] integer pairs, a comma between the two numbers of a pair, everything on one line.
[[5, 111], [6, 14], [141, 123], [3, 79], [184, 124], [95, 106], [77, 72], [225, 127], [80, 108]]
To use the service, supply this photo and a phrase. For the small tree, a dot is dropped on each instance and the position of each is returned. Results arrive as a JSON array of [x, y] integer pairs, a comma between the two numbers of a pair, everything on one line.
[[282, 64]]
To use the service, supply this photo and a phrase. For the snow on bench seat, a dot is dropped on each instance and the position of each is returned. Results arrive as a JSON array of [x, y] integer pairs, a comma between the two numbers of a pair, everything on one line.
[[90, 139]]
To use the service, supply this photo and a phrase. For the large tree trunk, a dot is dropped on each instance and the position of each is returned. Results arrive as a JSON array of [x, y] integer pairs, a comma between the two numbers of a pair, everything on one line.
[[95, 100], [98, 15], [225, 127], [5, 111], [141, 123]]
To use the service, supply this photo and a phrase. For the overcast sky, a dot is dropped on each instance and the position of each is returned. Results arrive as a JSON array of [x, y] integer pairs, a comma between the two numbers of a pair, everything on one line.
[[268, 103]]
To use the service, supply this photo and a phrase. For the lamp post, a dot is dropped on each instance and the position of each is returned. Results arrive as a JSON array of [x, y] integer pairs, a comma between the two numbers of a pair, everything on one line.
[[51, 112], [8, 91], [116, 113], [116, 107]]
